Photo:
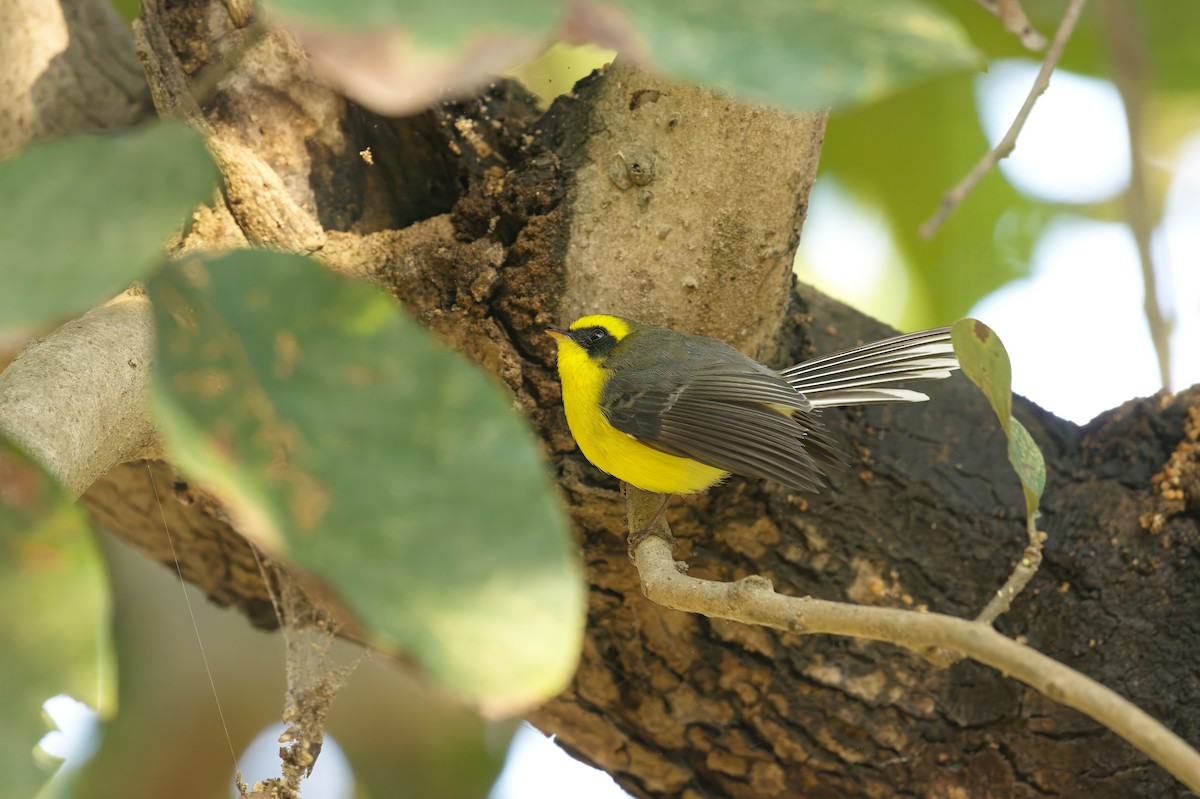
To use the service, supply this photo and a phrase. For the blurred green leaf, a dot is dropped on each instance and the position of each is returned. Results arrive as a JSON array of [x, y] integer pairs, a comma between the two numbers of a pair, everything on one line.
[[442, 25], [54, 591], [901, 155], [804, 53], [1166, 30], [356, 446], [1169, 30], [82, 217], [984, 360]]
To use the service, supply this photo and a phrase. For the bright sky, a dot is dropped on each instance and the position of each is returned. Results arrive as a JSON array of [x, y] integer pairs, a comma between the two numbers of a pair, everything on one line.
[[1074, 147], [538, 769], [1074, 329]]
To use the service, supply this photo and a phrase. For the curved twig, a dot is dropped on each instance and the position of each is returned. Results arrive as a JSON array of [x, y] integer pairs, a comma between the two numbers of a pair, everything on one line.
[[754, 601], [1025, 569], [956, 195]]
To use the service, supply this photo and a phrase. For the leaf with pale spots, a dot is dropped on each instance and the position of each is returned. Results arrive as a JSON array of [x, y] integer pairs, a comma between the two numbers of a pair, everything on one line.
[[1026, 459], [348, 441], [984, 360]]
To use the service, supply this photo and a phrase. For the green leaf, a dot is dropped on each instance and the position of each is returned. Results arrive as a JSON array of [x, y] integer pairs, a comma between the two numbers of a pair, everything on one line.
[[1028, 463], [82, 217], [351, 443], [901, 155], [445, 25], [55, 595], [804, 53], [984, 360]]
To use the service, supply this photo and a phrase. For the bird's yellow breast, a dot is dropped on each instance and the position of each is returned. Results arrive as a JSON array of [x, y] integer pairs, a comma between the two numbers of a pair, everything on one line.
[[612, 451]]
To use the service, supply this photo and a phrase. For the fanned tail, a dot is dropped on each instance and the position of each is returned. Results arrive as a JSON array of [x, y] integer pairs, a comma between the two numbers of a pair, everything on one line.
[[862, 375]]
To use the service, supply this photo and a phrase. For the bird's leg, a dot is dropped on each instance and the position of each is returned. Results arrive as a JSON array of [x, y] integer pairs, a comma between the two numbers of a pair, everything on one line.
[[638, 536]]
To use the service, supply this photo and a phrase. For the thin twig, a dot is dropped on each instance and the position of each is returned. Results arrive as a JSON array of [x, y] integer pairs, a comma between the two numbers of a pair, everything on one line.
[[1026, 567], [1013, 17], [955, 196], [1130, 67], [753, 601]]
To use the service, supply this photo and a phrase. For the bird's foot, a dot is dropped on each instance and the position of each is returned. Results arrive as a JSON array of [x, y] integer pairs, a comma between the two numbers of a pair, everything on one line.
[[653, 528], [638, 537]]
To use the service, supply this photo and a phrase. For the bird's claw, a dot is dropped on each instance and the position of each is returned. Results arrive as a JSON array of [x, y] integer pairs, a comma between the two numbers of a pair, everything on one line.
[[636, 538]]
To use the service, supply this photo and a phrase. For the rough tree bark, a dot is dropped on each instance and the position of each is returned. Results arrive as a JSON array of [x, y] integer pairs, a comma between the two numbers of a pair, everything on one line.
[[490, 221], [68, 67]]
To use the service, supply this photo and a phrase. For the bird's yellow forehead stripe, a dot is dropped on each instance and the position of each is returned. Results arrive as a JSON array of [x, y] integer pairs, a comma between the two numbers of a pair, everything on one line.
[[613, 324]]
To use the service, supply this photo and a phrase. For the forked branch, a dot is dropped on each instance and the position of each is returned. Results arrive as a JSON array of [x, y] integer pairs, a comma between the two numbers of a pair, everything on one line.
[[754, 601]]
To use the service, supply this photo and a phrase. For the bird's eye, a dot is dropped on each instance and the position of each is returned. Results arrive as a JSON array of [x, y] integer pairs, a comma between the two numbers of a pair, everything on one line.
[[596, 335]]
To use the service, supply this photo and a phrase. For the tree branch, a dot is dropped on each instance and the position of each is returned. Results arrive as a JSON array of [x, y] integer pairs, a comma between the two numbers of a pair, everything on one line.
[[753, 600], [1130, 69], [674, 704], [75, 400], [659, 150], [50, 83], [1013, 17], [1026, 567], [956, 195]]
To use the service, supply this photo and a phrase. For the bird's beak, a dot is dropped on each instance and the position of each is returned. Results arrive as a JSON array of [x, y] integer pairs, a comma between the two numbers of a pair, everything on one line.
[[557, 333]]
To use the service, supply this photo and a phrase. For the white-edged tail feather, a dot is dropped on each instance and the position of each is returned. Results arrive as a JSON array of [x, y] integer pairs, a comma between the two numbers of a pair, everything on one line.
[[862, 375]]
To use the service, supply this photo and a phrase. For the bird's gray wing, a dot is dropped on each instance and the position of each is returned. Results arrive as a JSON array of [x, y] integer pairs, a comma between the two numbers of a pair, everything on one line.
[[743, 421]]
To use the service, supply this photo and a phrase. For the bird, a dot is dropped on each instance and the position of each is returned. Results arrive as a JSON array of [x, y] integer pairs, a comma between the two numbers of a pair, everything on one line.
[[676, 413]]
